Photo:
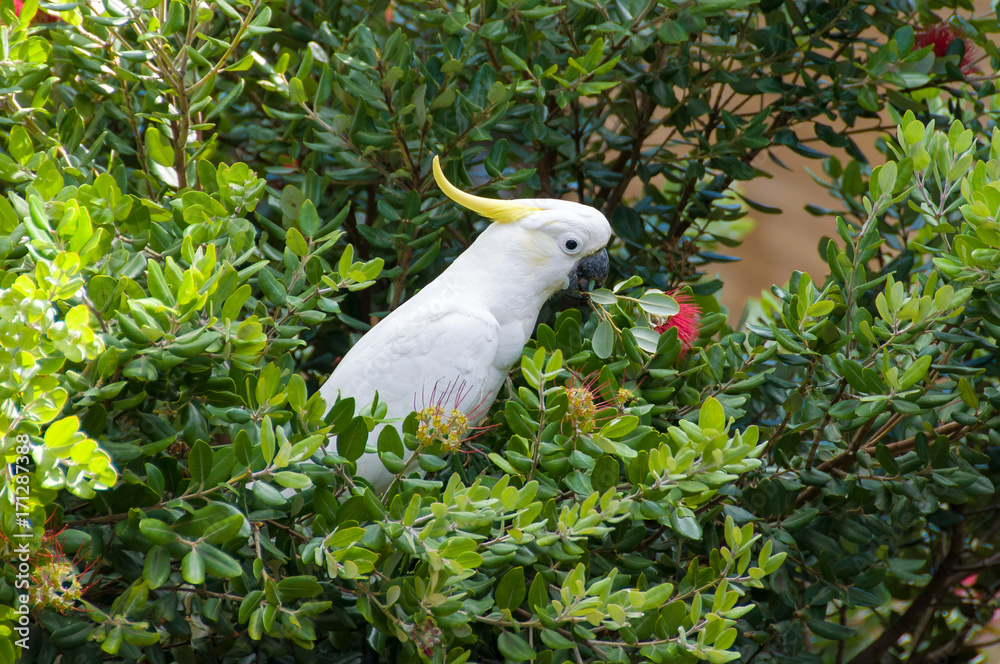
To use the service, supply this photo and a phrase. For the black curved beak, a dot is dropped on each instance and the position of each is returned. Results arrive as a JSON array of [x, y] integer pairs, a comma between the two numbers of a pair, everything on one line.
[[587, 274]]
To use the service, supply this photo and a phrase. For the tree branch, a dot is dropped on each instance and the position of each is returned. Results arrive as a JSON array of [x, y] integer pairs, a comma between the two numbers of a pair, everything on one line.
[[951, 429], [922, 603]]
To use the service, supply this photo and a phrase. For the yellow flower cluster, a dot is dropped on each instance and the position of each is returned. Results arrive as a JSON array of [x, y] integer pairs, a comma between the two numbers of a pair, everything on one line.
[[581, 409], [623, 397], [435, 424], [57, 585]]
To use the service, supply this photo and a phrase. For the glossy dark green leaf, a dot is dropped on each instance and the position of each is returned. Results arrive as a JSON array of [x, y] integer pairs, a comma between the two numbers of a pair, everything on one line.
[[511, 590], [352, 440], [829, 630], [200, 462], [515, 648], [606, 473]]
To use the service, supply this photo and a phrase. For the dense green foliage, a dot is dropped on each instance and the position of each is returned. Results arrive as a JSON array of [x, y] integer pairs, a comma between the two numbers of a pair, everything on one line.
[[207, 202]]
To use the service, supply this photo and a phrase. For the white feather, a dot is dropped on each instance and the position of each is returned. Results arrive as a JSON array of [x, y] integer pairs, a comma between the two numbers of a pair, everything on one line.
[[467, 327]]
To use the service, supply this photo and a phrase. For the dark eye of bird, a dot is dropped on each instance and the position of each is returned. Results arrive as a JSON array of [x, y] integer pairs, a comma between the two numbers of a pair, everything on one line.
[[571, 245]]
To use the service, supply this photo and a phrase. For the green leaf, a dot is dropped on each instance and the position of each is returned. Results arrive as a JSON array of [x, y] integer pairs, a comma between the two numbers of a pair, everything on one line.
[[712, 415], [915, 372], [233, 95], [515, 648], [604, 340], [671, 32], [390, 449], [647, 339], [966, 391], [658, 595], [291, 480], [688, 527], [555, 640], [139, 637], [820, 309], [299, 587], [497, 92], [620, 426], [514, 60], [158, 147], [113, 640], [217, 562], [511, 590], [267, 494], [157, 531], [829, 630], [220, 532], [606, 473], [61, 432], [156, 567], [69, 637], [200, 463], [388, 211], [885, 458], [296, 92], [273, 289], [351, 441], [266, 437], [593, 88], [297, 243], [19, 146], [234, 303], [538, 595], [345, 262], [101, 290], [852, 371], [659, 304], [531, 372], [193, 568], [603, 296], [250, 604]]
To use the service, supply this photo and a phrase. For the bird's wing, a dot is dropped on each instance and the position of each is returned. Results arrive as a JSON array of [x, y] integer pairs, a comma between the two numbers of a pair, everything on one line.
[[417, 358]]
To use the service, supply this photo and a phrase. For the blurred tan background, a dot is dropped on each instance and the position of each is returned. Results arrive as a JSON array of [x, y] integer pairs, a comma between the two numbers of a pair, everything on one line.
[[789, 241], [782, 243]]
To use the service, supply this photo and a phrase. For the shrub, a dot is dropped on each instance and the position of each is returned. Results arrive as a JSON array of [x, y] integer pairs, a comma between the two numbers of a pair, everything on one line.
[[206, 203]]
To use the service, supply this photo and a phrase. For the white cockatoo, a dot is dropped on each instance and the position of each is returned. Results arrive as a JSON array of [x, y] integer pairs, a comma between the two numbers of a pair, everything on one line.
[[453, 343]]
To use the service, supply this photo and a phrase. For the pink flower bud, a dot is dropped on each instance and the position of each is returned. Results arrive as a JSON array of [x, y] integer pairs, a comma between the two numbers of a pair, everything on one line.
[[687, 320], [940, 36]]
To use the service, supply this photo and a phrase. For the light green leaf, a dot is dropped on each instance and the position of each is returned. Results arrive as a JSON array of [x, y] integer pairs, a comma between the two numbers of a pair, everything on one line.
[[159, 148], [604, 340], [193, 568], [659, 304], [712, 415]]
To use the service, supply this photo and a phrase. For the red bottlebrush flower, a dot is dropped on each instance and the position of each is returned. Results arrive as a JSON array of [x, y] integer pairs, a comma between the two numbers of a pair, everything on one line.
[[41, 16], [965, 587], [687, 320], [939, 36], [969, 581]]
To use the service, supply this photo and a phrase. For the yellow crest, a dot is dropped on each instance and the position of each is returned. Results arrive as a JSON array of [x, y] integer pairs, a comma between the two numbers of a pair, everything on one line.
[[500, 211]]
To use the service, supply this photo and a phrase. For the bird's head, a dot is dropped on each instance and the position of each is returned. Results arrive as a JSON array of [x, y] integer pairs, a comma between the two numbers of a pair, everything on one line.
[[560, 241]]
